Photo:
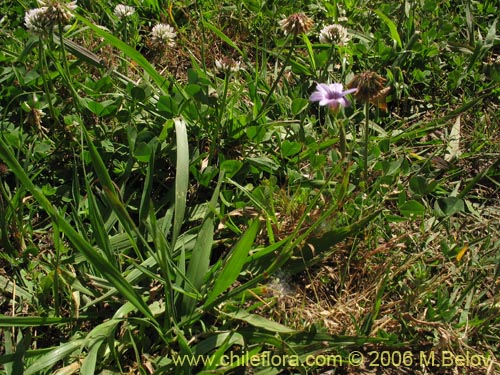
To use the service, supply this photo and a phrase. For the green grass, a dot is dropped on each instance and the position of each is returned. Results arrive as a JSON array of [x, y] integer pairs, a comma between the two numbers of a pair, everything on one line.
[[161, 215]]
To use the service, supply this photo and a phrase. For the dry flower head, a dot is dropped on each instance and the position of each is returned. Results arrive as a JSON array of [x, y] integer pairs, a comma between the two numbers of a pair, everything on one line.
[[371, 89], [297, 23]]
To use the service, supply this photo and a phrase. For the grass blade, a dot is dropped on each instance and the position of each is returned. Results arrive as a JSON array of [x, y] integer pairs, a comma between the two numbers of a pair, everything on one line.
[[392, 27], [223, 36], [98, 226], [82, 245], [200, 258], [128, 51], [49, 359], [234, 264], [260, 322], [144, 208]]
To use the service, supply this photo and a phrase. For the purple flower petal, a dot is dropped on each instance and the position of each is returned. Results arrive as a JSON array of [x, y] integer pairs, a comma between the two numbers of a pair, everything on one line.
[[331, 95]]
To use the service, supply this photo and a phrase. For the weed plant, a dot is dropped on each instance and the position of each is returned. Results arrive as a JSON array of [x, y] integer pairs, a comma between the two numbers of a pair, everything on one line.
[[171, 202]]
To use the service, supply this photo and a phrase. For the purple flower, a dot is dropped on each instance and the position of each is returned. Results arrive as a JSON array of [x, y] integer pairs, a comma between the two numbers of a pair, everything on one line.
[[331, 95]]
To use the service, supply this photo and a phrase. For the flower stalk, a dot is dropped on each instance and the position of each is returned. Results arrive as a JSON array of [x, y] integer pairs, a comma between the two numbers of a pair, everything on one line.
[[293, 26], [366, 135]]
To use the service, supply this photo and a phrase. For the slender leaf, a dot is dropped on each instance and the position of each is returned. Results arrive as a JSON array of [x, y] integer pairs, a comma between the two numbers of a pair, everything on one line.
[[181, 176], [48, 360], [97, 222], [200, 258], [160, 81], [223, 36], [82, 245], [260, 322], [392, 27], [144, 208], [234, 264]]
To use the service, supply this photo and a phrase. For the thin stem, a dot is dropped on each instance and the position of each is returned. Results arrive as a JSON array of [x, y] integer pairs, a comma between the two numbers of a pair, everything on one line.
[[276, 81], [342, 140], [324, 74], [366, 136], [46, 80], [221, 110]]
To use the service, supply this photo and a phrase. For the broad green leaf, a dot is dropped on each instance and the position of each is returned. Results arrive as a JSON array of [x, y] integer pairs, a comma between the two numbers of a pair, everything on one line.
[[143, 151], [138, 93], [231, 167], [310, 51], [412, 208], [299, 105], [449, 206], [181, 176], [290, 148], [418, 185]]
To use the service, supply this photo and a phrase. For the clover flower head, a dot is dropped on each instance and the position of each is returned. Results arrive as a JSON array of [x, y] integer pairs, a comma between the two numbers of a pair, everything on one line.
[[123, 11], [332, 95], [163, 35], [297, 23], [334, 34], [227, 64], [59, 10], [38, 21], [370, 89]]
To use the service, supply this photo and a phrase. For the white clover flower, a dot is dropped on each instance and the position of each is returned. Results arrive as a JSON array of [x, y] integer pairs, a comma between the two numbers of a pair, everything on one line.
[[336, 34], [227, 64], [163, 35], [58, 9], [38, 20], [123, 11]]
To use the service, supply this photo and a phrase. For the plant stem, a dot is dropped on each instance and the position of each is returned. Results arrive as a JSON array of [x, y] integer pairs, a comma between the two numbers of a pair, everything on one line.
[[47, 84], [216, 135], [342, 140], [366, 136], [276, 81]]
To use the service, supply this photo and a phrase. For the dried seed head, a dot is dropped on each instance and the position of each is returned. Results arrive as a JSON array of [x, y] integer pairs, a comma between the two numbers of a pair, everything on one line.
[[297, 23], [370, 89], [58, 9]]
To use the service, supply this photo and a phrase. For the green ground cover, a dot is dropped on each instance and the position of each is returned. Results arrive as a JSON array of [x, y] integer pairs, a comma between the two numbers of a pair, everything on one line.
[[259, 187]]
